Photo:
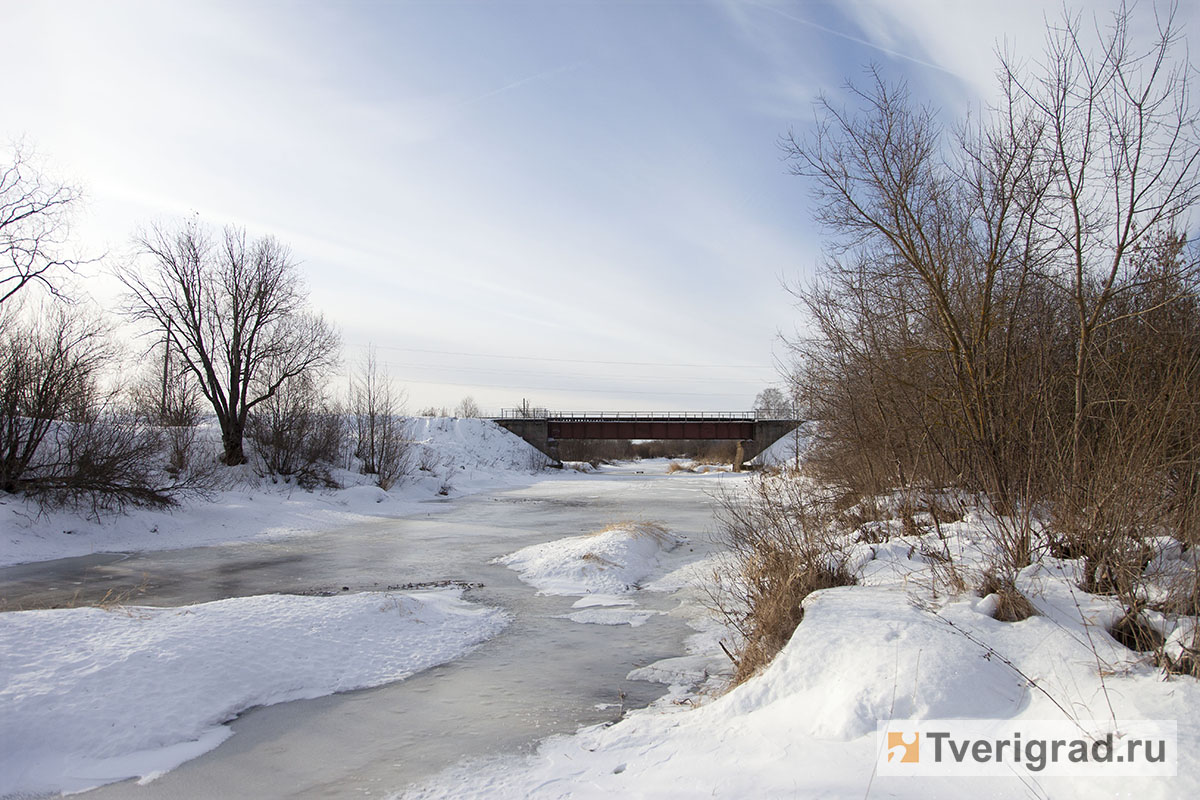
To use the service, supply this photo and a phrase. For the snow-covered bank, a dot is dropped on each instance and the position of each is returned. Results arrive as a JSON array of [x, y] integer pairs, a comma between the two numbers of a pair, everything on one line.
[[90, 696], [449, 457], [612, 561], [900, 645]]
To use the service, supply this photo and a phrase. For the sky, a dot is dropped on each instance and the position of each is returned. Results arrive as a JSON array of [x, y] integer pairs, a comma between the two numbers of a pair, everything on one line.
[[579, 204]]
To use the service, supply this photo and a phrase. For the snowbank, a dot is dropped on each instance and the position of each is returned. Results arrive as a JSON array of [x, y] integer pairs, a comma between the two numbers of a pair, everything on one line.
[[783, 452], [469, 453], [450, 457], [90, 696], [898, 646], [612, 561]]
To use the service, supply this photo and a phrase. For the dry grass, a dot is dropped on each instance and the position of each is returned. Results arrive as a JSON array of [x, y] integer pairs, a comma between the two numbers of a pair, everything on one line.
[[1012, 606], [114, 600], [639, 530], [782, 546]]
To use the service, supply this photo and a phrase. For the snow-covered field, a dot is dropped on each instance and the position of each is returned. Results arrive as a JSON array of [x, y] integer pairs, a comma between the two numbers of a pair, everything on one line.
[[449, 457], [899, 645], [91, 696]]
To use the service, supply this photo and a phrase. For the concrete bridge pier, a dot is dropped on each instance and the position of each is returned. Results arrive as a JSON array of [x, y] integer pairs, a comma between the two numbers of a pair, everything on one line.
[[536, 432]]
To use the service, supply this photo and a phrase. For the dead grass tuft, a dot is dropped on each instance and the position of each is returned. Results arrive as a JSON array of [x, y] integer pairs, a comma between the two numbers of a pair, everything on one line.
[[782, 547], [1012, 606], [639, 530]]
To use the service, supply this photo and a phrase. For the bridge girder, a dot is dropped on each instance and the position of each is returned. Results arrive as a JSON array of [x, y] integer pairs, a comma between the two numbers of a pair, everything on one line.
[[544, 433]]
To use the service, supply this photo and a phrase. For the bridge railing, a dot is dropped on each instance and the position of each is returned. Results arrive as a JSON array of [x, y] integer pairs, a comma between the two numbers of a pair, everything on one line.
[[543, 413]]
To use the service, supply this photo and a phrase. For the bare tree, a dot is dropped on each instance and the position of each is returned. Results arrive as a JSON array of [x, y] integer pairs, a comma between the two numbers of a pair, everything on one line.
[[167, 395], [468, 409], [1012, 308], [47, 371], [1122, 148], [381, 431], [297, 434], [34, 212], [772, 402], [235, 311], [63, 440]]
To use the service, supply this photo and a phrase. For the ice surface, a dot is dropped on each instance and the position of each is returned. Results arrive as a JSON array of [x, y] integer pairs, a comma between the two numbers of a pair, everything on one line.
[[90, 696]]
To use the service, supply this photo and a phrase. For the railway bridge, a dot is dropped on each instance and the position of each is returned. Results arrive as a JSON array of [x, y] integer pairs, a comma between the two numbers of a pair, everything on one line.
[[754, 431]]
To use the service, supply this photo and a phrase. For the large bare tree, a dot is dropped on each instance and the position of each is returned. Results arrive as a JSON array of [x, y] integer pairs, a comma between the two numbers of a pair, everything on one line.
[[1122, 149], [34, 212], [235, 310]]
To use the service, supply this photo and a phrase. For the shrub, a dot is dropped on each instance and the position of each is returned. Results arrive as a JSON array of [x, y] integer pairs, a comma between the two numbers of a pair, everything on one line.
[[782, 546], [381, 434], [63, 441], [297, 435]]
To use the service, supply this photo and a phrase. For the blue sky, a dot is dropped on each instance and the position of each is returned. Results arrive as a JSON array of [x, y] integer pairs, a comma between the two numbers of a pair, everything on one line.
[[579, 203]]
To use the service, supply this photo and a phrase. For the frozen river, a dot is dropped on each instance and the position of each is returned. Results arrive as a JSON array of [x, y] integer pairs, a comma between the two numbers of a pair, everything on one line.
[[544, 674]]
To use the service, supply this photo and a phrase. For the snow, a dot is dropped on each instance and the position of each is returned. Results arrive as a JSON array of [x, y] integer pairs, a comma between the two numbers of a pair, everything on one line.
[[783, 452], [612, 561], [900, 645], [91, 696], [450, 457]]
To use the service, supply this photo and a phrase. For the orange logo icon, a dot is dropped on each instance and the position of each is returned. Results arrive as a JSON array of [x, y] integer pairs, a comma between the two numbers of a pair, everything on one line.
[[903, 748]]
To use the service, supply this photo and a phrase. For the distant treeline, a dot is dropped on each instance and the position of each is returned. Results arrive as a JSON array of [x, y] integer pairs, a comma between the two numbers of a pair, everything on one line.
[[598, 450]]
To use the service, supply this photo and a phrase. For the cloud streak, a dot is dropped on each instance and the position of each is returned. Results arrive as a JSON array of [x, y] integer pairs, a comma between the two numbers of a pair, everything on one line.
[[849, 38]]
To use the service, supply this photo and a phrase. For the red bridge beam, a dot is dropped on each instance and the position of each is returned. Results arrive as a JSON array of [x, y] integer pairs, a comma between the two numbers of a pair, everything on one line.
[[558, 429]]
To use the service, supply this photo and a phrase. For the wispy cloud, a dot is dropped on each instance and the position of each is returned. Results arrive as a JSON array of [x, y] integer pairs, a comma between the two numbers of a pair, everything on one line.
[[857, 40], [508, 87]]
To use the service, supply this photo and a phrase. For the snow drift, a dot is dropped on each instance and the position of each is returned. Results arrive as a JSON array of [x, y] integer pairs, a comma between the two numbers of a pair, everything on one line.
[[91, 696], [612, 561]]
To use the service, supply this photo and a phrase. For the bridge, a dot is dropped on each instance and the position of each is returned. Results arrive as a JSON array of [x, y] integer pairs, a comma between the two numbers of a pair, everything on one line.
[[754, 431]]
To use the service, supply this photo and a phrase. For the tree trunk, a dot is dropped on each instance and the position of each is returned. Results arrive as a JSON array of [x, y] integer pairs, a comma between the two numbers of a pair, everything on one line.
[[231, 438]]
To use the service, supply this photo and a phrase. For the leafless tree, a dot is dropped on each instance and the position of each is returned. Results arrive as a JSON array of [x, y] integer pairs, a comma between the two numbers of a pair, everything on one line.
[[48, 368], [1122, 148], [773, 402], [34, 212], [64, 441], [381, 431], [468, 409], [297, 434], [1005, 307], [235, 312], [168, 396]]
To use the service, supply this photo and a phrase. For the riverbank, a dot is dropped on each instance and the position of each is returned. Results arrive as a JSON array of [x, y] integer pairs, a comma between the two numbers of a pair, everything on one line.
[[448, 458]]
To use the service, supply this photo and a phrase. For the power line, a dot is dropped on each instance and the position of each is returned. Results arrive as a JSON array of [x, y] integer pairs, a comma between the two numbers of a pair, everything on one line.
[[520, 374], [574, 391], [569, 360]]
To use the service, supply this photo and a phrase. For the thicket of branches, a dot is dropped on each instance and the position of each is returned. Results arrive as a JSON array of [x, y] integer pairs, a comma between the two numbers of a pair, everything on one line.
[[381, 441], [65, 439], [1011, 306]]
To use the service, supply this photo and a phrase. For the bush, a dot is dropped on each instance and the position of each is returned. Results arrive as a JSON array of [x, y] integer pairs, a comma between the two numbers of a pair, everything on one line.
[[381, 434], [62, 440], [297, 435], [782, 546]]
